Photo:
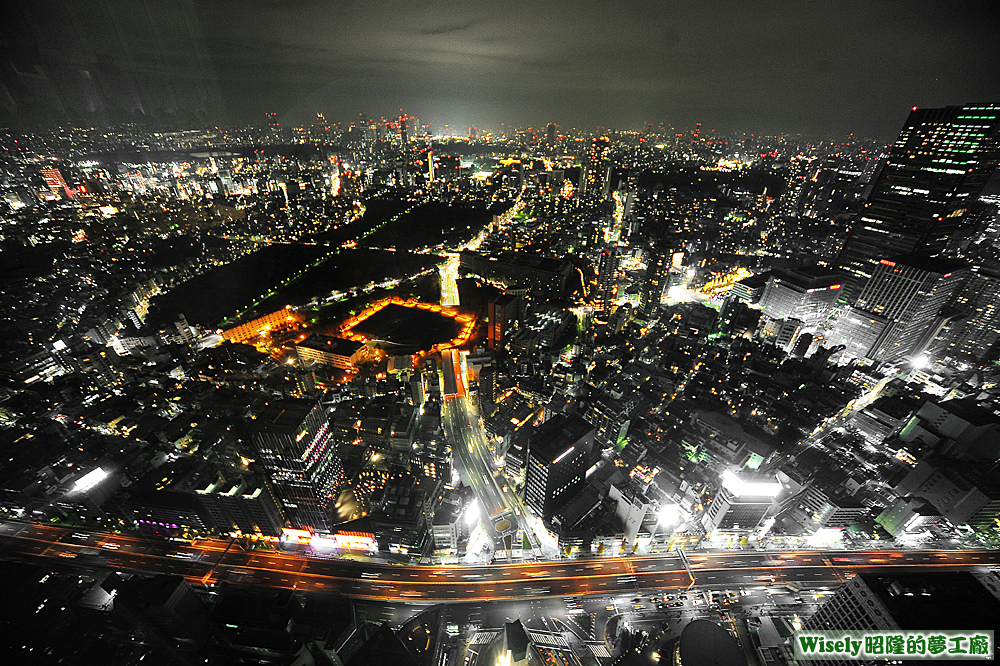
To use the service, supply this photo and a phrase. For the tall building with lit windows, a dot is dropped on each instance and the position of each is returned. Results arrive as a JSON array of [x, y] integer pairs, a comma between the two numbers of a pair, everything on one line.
[[322, 128], [598, 162], [936, 168], [656, 280], [55, 181], [741, 503], [501, 314], [901, 308], [291, 441], [607, 265], [806, 294], [977, 336]]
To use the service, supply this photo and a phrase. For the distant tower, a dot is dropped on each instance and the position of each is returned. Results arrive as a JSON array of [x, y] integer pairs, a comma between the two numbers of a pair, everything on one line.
[[550, 133], [430, 165], [323, 127], [403, 118], [273, 127], [937, 167]]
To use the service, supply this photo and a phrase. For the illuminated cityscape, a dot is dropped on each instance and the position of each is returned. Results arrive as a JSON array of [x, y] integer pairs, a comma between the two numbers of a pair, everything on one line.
[[463, 336]]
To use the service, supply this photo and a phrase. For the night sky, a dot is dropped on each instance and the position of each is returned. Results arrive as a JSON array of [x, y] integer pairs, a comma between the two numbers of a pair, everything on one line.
[[825, 68]]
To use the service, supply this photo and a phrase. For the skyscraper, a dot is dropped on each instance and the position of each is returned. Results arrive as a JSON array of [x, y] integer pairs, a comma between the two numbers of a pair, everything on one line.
[[501, 315], [559, 454], [917, 601], [976, 336], [606, 267], [293, 443], [935, 170], [272, 122], [597, 164], [322, 128], [657, 279], [550, 133], [54, 179], [806, 294], [901, 308]]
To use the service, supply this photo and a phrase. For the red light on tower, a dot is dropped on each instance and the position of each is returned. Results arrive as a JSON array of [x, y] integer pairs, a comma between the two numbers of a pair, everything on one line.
[[886, 262]]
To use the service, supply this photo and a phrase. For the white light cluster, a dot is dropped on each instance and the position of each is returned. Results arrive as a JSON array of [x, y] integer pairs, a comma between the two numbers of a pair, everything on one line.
[[740, 487], [90, 479]]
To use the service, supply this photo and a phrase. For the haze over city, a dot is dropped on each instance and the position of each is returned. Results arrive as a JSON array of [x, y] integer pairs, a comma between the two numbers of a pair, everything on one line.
[[828, 70]]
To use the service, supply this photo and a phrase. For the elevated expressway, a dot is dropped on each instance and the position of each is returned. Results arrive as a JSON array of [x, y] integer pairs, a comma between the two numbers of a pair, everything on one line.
[[211, 561]]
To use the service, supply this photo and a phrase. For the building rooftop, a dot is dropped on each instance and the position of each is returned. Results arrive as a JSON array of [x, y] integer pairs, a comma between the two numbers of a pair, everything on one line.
[[809, 277], [756, 281], [283, 416], [939, 601], [558, 434], [931, 264]]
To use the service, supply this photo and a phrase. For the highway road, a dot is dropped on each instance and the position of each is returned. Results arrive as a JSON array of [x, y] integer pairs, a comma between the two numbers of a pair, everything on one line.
[[212, 561]]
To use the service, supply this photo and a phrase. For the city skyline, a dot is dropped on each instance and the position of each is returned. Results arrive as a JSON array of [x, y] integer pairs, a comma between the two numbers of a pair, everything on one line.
[[841, 69]]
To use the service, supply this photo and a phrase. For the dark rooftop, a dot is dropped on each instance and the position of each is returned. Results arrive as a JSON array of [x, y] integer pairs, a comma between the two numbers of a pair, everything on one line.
[[331, 345], [283, 416], [559, 433], [931, 264], [939, 601]]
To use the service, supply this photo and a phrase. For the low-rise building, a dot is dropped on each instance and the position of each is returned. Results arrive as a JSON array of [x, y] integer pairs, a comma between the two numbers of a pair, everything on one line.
[[326, 350]]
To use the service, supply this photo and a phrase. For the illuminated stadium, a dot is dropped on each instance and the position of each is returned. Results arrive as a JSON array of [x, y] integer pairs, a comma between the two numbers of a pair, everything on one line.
[[409, 326]]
